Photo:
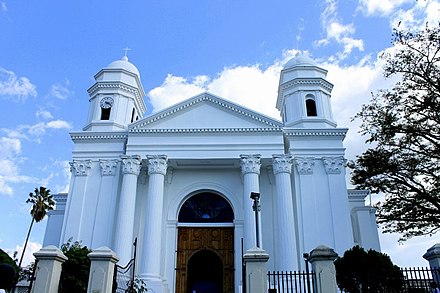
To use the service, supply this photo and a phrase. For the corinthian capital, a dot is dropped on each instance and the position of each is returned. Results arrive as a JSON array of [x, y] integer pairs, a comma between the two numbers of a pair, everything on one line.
[[282, 164], [157, 164], [80, 167], [304, 165], [108, 167], [333, 165], [250, 164], [131, 164]]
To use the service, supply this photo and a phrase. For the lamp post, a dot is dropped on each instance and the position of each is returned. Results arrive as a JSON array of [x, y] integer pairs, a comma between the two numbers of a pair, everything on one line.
[[256, 207]]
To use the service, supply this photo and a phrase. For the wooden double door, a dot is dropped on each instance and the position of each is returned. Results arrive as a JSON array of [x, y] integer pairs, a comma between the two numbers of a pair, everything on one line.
[[205, 260]]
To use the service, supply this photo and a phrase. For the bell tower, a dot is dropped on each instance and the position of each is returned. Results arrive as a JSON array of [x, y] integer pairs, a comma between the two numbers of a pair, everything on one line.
[[116, 97], [304, 95]]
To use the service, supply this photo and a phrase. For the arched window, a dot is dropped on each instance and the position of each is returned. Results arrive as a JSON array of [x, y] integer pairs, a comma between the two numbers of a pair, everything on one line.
[[311, 106], [206, 207], [105, 113]]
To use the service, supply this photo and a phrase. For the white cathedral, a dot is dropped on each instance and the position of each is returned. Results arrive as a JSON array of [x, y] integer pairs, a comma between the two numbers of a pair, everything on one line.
[[180, 181]]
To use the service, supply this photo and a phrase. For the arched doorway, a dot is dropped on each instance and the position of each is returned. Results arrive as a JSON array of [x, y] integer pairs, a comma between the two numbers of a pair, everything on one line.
[[205, 273], [205, 245]]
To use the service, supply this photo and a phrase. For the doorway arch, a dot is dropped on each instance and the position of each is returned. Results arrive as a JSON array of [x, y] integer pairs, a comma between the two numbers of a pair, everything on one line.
[[205, 272], [205, 244]]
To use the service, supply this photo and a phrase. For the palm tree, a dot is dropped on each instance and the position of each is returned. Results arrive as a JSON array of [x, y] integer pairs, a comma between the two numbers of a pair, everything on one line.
[[42, 202]]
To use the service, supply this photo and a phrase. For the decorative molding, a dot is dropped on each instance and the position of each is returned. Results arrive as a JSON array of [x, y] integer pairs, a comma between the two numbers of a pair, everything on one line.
[[316, 132], [274, 124], [250, 164], [282, 164], [334, 165], [205, 130], [104, 136], [169, 176], [131, 164], [319, 81], [157, 164], [304, 165], [80, 167], [108, 167]]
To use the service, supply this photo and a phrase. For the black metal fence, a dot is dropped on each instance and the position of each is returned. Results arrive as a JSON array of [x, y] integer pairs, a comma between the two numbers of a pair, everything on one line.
[[417, 280], [290, 282], [123, 277]]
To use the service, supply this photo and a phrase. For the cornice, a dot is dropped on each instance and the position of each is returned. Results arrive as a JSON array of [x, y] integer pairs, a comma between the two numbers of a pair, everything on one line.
[[208, 98], [78, 136], [206, 130], [339, 132], [119, 85]]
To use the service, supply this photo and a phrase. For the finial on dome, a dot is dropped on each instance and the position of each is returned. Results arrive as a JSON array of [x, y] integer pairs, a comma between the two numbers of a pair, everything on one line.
[[125, 58]]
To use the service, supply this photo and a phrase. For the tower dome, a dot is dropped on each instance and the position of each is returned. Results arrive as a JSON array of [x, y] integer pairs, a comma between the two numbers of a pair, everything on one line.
[[124, 64], [300, 60]]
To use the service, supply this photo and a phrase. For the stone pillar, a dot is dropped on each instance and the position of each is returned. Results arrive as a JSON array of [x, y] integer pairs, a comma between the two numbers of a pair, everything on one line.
[[102, 268], [256, 273], [48, 270], [151, 244], [131, 166], [286, 254], [433, 256], [322, 259], [250, 169]]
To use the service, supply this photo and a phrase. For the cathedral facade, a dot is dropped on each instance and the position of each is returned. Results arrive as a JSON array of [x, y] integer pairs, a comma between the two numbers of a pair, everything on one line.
[[180, 181]]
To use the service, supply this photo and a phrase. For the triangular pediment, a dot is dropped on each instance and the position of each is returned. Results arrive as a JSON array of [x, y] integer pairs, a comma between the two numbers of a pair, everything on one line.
[[205, 112]]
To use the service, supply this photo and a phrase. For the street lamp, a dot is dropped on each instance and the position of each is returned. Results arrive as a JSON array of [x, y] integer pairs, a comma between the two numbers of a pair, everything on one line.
[[256, 207]]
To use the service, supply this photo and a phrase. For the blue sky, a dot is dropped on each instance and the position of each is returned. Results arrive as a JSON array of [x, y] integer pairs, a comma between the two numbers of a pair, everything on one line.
[[50, 50]]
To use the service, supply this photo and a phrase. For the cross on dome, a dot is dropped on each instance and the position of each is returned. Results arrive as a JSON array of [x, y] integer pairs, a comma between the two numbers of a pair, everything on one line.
[[126, 49]]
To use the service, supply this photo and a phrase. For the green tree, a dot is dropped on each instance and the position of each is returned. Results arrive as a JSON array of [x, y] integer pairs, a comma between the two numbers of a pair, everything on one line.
[[8, 271], [403, 127], [42, 202], [359, 271], [75, 270]]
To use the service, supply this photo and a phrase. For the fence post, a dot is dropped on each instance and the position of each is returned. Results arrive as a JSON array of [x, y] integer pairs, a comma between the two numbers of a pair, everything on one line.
[[432, 255], [102, 268], [255, 260], [322, 259], [48, 270]]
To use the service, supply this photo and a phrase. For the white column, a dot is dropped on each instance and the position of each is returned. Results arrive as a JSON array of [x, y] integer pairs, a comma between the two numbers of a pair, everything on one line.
[[250, 169], [131, 166], [152, 256], [286, 256]]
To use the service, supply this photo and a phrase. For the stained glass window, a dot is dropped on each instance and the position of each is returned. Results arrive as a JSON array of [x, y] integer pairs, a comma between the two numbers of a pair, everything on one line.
[[206, 207]]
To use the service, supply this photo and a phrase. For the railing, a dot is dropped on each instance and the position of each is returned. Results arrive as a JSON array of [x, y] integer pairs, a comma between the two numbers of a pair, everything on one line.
[[414, 280], [123, 277], [290, 282], [420, 279]]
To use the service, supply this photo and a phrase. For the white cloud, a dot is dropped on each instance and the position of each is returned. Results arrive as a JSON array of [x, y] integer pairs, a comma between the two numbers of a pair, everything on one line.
[[9, 147], [40, 128], [381, 7], [4, 7], [58, 124], [44, 114], [28, 258], [338, 32], [422, 13], [16, 88], [60, 91]]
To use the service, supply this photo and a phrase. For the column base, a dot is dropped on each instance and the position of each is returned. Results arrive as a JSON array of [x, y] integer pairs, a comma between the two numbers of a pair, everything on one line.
[[155, 284]]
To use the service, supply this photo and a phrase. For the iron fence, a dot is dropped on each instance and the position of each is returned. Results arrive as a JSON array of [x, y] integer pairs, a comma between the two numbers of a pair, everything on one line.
[[290, 282], [123, 277]]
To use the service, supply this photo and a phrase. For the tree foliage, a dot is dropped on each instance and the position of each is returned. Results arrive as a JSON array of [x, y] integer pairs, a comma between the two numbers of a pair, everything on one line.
[[8, 271], [42, 202], [359, 271], [75, 270], [403, 128]]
